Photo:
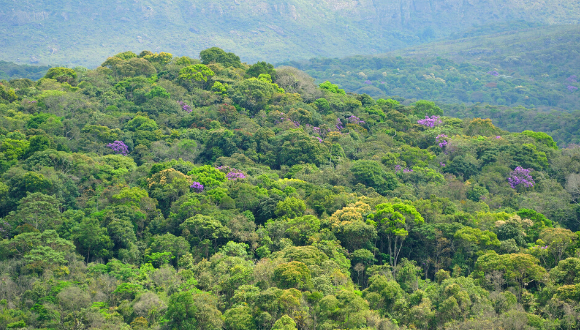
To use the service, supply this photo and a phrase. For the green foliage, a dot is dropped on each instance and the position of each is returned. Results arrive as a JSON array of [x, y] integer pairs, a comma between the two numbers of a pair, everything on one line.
[[61, 75], [426, 108], [260, 68], [253, 93], [302, 222], [542, 138], [197, 72], [328, 86], [372, 175], [181, 311], [208, 176], [217, 55]]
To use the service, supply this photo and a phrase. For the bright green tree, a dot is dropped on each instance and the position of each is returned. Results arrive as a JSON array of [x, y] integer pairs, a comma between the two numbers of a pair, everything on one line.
[[392, 222]]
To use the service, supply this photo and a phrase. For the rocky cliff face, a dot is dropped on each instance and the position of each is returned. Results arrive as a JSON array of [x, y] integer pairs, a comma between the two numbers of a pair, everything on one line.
[[272, 30]]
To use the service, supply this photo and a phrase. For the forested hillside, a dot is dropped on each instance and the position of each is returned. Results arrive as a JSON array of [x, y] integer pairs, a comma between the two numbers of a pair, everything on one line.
[[162, 192], [563, 126], [82, 33], [537, 67], [10, 70]]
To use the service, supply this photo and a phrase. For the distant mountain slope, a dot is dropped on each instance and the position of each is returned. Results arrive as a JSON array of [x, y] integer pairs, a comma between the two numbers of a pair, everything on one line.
[[10, 70], [84, 32], [537, 67]]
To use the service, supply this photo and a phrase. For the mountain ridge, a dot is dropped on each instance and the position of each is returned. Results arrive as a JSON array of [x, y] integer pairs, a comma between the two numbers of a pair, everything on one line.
[[73, 34]]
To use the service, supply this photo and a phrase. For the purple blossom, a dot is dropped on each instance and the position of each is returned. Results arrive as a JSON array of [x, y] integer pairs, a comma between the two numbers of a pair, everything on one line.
[[397, 168], [521, 176], [355, 120], [296, 124], [339, 126], [498, 137], [407, 170], [430, 121], [368, 82], [319, 139], [197, 186], [382, 82], [494, 73], [185, 107], [572, 88], [119, 148], [572, 79], [232, 173], [442, 164], [442, 140], [235, 175]]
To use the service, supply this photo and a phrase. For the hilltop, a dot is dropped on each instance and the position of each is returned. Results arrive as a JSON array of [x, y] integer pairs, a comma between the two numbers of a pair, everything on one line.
[[82, 33]]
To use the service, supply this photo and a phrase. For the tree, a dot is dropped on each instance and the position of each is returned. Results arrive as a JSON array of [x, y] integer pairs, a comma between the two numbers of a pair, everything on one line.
[[39, 211], [92, 239], [253, 94], [567, 272], [391, 221], [167, 186], [290, 208], [61, 74], [332, 88], [542, 138], [426, 108], [197, 72], [518, 268], [294, 146], [558, 241], [181, 311], [199, 228], [38, 143], [239, 318], [294, 274], [217, 55], [285, 323], [177, 246], [261, 68], [208, 176], [371, 174], [7, 94]]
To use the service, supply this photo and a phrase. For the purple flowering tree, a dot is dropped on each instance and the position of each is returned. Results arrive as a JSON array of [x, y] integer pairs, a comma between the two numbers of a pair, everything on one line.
[[355, 120], [339, 126], [430, 121], [185, 107], [198, 187], [441, 139], [572, 88], [231, 173], [235, 175], [521, 177], [119, 148]]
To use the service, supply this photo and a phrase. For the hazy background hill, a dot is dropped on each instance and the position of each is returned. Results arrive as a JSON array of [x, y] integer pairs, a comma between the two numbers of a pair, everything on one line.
[[83, 33], [535, 67]]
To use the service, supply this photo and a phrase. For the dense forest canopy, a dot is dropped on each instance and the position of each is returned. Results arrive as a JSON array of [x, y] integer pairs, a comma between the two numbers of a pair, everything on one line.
[[504, 76], [162, 192]]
